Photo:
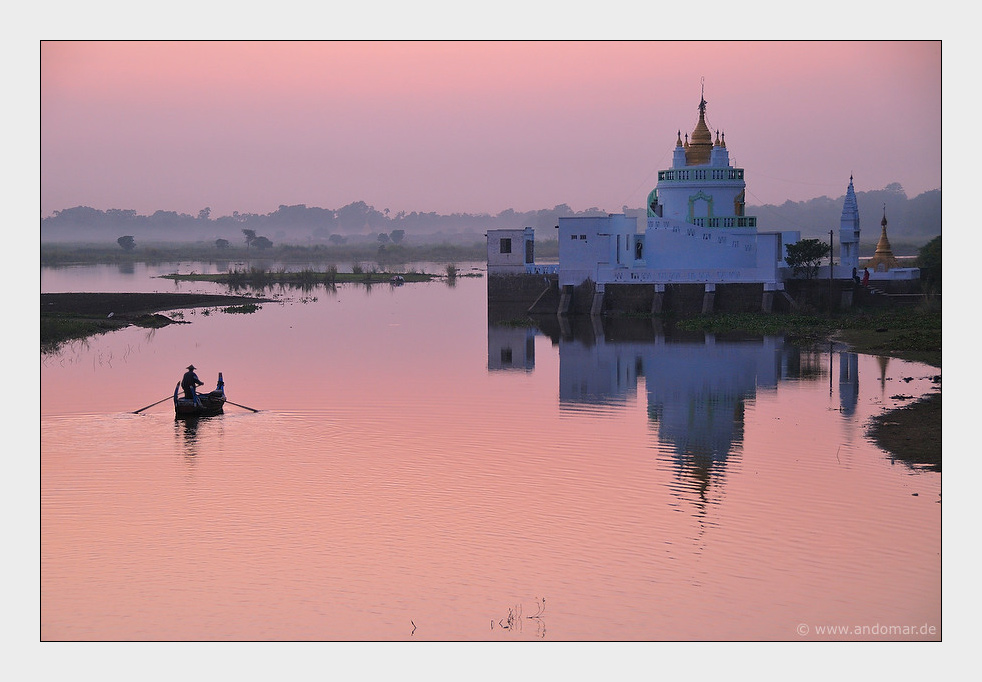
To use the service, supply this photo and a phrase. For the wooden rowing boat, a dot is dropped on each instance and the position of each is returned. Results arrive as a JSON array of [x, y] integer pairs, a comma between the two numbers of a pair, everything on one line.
[[204, 404]]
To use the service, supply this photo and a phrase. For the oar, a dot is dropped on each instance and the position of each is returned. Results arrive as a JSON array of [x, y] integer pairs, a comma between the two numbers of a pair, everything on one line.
[[156, 403], [237, 405]]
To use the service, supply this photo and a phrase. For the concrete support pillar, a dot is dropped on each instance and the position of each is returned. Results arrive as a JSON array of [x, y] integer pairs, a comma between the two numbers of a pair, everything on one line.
[[770, 289], [709, 299], [565, 300]]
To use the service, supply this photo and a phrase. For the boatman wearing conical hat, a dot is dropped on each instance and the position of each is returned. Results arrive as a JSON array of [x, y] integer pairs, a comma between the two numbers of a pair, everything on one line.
[[189, 383]]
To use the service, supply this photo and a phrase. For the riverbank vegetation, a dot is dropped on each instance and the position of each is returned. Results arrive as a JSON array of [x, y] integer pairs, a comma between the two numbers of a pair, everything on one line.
[[308, 278], [911, 433], [912, 332], [69, 317], [305, 278]]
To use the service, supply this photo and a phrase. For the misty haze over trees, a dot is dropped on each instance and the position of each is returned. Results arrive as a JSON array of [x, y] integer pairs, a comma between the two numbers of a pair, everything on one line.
[[911, 222]]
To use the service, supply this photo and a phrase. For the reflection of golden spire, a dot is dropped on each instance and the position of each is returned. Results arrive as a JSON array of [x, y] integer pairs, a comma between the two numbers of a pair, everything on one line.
[[883, 256], [883, 361]]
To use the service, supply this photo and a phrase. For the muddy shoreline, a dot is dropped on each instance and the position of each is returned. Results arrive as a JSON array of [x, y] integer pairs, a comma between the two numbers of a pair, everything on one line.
[[67, 317], [101, 305], [911, 433]]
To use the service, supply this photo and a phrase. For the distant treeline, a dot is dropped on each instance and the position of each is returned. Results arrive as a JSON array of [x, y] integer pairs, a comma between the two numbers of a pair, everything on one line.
[[296, 224], [912, 221]]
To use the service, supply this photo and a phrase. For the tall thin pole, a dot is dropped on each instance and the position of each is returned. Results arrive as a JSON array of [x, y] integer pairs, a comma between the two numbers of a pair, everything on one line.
[[830, 271]]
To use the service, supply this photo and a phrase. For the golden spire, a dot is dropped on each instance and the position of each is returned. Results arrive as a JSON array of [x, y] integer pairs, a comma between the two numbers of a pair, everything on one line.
[[679, 143], [883, 256], [701, 144]]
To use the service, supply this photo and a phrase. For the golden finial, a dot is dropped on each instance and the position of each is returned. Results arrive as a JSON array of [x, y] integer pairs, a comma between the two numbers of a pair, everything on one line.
[[700, 144]]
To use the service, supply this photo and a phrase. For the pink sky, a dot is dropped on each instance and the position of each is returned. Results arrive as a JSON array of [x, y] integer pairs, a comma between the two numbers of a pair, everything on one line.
[[473, 126]]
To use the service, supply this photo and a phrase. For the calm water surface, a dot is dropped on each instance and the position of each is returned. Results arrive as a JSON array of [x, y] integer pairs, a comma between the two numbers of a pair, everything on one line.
[[415, 472]]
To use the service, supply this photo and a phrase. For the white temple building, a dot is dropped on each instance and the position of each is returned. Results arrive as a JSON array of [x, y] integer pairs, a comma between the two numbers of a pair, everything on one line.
[[697, 230]]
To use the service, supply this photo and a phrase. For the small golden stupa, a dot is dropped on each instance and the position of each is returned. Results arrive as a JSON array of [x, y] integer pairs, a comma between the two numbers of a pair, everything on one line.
[[883, 258]]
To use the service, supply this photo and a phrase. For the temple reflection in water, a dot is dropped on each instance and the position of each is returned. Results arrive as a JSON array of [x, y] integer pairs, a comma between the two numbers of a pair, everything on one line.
[[697, 384]]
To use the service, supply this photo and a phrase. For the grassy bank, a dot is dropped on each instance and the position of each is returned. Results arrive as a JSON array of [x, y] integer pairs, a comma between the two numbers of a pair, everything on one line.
[[911, 433], [308, 277], [911, 333], [70, 316]]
